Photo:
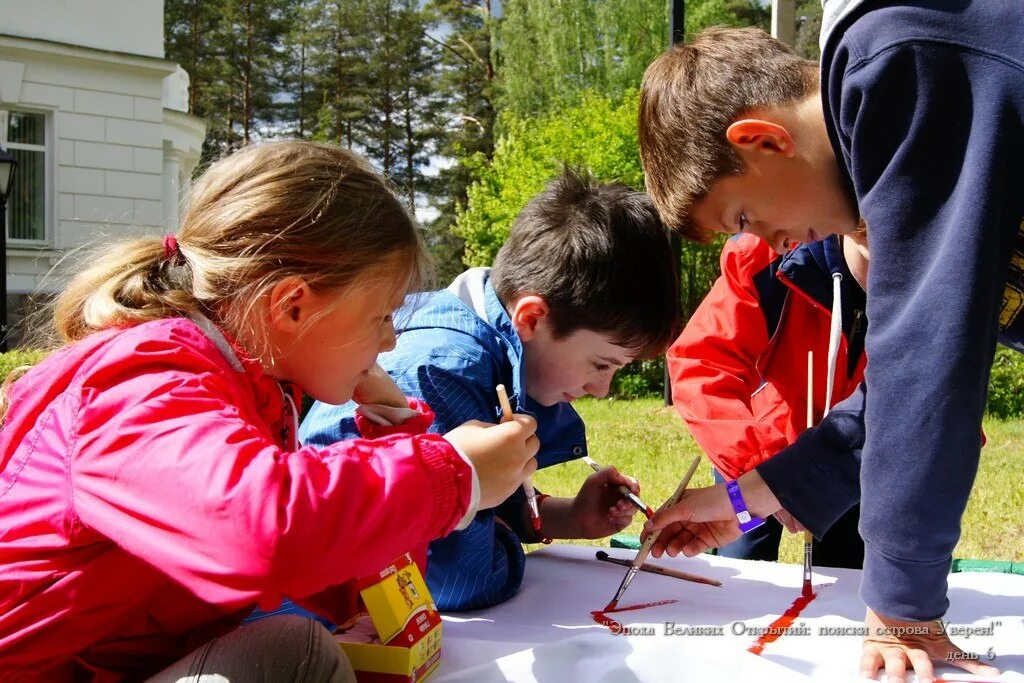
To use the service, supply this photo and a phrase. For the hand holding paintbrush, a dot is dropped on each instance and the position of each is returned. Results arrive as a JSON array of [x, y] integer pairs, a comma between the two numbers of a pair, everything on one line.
[[626, 493], [531, 493], [645, 548]]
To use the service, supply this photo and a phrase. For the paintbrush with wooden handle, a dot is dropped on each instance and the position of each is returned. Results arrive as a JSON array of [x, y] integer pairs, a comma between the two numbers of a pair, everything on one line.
[[656, 569], [645, 549]]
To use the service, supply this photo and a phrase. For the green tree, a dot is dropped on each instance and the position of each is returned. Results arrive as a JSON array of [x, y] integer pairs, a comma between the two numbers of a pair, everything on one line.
[[808, 27], [463, 31], [599, 134], [251, 34], [341, 71], [550, 52], [419, 103], [189, 26], [298, 102]]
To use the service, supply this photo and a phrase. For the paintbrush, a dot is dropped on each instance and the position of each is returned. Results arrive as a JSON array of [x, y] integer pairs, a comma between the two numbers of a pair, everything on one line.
[[645, 549], [531, 493], [626, 493], [655, 569], [808, 584]]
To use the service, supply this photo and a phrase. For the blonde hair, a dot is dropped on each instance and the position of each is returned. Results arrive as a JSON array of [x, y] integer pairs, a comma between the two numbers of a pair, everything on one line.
[[264, 213]]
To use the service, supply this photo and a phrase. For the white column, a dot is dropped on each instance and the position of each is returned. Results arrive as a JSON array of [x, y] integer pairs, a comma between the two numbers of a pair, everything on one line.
[[171, 188], [784, 21]]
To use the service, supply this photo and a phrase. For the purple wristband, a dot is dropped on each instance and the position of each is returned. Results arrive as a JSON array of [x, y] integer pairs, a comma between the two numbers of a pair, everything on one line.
[[746, 520]]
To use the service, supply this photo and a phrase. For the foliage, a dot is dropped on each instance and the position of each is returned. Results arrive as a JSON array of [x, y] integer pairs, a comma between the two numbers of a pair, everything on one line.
[[736, 13], [19, 358], [1006, 385], [639, 379], [468, 83], [808, 26], [552, 51], [599, 134]]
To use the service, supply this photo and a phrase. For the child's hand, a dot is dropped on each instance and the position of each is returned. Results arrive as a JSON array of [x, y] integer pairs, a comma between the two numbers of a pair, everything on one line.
[[378, 388], [503, 454], [702, 519], [891, 644], [599, 509]]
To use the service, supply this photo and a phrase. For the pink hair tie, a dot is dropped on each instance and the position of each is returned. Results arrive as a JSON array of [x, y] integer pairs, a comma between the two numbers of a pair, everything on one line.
[[171, 252]]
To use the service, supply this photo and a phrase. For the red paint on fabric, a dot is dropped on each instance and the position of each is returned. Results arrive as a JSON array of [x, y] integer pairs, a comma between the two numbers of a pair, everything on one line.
[[601, 616], [777, 627]]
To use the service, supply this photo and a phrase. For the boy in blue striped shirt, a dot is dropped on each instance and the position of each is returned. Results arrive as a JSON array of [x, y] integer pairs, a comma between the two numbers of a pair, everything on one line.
[[584, 284]]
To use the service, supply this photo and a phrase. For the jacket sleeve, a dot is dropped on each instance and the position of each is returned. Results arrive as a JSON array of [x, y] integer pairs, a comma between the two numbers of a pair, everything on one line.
[[817, 478], [922, 125], [712, 365], [166, 464], [482, 564]]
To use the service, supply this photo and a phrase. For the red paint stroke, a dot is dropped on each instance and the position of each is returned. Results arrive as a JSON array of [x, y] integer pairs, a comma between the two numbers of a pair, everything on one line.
[[536, 524], [649, 512], [777, 627], [601, 616]]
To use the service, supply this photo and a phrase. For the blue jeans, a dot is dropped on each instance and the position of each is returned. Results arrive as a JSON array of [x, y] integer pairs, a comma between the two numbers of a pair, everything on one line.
[[840, 547]]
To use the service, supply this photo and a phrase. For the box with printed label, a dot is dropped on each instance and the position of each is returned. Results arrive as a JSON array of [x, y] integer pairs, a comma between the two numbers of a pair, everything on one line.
[[399, 639]]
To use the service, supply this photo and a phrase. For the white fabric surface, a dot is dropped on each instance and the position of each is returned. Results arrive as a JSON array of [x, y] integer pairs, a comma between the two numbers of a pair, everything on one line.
[[546, 632]]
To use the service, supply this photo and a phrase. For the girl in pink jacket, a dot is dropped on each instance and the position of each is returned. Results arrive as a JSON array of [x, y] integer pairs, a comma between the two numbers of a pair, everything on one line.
[[152, 490]]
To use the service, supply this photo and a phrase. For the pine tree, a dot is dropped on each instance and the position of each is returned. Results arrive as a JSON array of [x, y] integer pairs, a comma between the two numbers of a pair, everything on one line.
[[188, 28], [340, 70], [468, 87], [419, 101], [252, 36], [297, 103]]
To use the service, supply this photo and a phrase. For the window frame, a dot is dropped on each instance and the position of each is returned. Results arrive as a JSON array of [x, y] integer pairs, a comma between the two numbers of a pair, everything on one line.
[[48, 149]]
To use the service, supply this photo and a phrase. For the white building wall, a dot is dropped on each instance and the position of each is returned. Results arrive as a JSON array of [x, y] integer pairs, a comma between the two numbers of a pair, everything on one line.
[[108, 141], [129, 26]]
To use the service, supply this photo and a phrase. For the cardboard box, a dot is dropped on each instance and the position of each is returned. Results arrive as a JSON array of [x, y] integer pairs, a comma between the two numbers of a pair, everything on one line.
[[403, 645]]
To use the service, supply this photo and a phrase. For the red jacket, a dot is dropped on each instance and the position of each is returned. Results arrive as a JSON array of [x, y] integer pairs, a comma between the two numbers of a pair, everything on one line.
[[739, 369], [150, 499]]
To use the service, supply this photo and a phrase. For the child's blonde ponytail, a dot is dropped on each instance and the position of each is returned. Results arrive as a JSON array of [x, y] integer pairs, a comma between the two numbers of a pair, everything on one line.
[[264, 213], [129, 283]]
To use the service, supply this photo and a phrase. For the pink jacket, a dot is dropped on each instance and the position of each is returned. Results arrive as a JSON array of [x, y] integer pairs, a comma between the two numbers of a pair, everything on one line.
[[149, 500]]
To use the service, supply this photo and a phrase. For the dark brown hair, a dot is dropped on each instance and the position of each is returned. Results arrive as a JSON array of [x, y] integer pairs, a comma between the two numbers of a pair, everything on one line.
[[600, 257], [689, 97]]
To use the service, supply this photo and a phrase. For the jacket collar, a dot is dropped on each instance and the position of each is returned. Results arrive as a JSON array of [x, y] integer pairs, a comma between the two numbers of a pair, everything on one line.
[[559, 427], [810, 266]]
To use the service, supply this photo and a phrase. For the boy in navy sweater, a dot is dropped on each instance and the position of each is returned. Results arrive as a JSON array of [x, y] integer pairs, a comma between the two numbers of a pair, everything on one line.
[[916, 129]]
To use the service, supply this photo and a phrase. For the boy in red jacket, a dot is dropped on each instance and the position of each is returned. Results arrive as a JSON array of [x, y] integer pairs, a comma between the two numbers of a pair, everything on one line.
[[739, 369]]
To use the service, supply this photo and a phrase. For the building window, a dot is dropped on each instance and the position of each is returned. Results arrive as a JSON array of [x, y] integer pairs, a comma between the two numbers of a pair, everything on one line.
[[23, 135]]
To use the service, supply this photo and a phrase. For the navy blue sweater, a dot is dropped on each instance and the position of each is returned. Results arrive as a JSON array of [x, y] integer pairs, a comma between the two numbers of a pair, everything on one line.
[[924, 104]]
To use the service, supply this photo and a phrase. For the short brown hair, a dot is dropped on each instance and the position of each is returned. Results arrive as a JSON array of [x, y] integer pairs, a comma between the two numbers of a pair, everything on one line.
[[600, 257], [690, 96]]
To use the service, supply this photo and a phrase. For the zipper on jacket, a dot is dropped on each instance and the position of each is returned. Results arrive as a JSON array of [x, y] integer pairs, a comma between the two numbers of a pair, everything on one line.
[[856, 345]]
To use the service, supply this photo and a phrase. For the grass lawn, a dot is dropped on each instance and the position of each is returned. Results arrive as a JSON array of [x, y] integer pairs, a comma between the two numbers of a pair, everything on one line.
[[646, 440]]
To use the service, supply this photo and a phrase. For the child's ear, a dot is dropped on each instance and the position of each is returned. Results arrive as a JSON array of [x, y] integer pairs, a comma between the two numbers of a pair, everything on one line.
[[290, 305], [527, 314], [750, 136]]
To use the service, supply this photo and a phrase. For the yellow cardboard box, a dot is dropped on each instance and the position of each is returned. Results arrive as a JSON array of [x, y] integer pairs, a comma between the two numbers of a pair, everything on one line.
[[406, 625]]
